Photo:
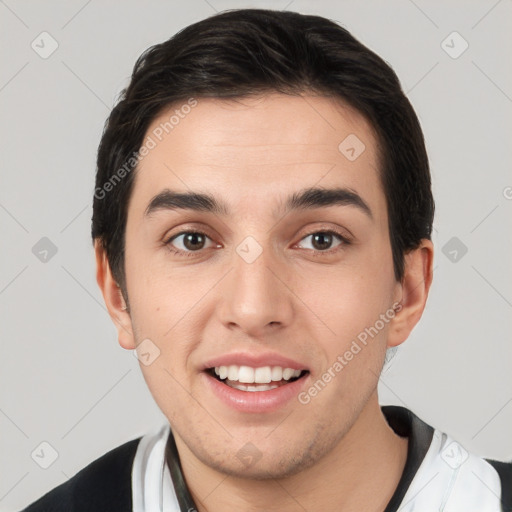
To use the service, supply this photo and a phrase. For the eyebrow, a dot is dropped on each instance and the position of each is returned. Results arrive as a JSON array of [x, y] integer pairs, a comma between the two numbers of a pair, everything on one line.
[[306, 199]]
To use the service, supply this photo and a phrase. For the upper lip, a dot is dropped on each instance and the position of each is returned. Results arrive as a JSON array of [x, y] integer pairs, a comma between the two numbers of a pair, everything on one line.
[[254, 361]]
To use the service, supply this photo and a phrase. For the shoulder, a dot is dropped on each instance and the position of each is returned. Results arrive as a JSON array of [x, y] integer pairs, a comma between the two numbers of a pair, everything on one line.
[[441, 474], [103, 485], [504, 470], [460, 480]]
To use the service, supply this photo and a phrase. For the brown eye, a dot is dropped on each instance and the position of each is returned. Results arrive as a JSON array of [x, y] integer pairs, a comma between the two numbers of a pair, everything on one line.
[[188, 241], [193, 241], [322, 241]]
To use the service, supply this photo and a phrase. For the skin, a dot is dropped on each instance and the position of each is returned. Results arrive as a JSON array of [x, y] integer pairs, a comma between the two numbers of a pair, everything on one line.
[[337, 451]]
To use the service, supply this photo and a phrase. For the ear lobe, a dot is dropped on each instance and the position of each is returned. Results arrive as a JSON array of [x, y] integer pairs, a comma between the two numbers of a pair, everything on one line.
[[113, 297], [415, 287]]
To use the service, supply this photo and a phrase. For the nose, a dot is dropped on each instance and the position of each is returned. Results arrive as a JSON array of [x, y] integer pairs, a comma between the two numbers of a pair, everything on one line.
[[256, 298]]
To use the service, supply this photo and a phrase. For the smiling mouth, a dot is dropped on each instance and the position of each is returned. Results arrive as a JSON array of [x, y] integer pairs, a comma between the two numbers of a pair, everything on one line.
[[245, 378]]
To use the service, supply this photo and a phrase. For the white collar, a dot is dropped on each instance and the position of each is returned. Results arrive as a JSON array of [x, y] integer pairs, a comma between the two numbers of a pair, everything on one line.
[[152, 488]]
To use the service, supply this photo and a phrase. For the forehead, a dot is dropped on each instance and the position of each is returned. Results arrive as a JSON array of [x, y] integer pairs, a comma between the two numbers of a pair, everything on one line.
[[256, 150]]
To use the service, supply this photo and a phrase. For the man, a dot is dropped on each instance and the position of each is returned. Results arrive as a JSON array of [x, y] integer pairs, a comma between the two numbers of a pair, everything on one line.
[[262, 220]]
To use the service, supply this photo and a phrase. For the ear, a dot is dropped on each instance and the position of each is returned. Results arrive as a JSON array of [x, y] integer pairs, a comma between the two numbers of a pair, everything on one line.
[[113, 297], [414, 288]]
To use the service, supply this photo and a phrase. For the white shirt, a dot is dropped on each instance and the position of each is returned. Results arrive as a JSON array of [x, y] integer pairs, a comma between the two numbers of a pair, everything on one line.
[[152, 487], [448, 478]]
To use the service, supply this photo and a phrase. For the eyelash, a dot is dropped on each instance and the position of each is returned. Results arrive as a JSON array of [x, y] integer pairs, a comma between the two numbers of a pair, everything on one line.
[[316, 253]]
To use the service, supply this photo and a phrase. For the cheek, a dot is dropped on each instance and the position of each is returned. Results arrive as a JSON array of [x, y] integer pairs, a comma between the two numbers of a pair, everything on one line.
[[159, 295], [348, 298], [167, 387], [349, 304]]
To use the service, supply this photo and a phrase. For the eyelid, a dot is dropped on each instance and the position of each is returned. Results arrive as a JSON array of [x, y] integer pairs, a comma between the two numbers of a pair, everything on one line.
[[187, 229], [343, 233]]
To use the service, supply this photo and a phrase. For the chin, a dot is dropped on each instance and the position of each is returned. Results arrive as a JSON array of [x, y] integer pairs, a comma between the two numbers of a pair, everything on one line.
[[272, 462], [265, 469]]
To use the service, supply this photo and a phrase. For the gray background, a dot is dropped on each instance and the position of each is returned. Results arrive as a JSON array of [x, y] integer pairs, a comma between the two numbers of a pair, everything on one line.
[[64, 378]]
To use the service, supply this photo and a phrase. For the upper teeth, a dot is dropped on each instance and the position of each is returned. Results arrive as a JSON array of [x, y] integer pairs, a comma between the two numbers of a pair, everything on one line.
[[262, 375]]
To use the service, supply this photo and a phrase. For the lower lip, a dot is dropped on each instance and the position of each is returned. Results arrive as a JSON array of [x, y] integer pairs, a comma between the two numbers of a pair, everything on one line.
[[255, 401]]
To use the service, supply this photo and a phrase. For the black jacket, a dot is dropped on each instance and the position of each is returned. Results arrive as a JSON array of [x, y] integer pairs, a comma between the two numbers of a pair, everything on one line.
[[105, 484], [102, 486]]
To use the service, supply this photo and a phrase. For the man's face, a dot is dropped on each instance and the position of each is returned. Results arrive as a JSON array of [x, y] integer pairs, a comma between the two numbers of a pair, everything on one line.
[[263, 286]]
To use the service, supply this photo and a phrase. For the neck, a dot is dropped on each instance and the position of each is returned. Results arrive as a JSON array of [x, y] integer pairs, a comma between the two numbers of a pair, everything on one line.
[[369, 457]]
